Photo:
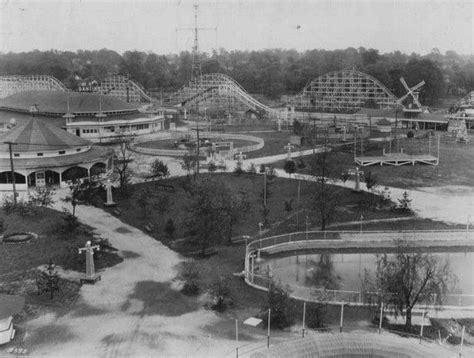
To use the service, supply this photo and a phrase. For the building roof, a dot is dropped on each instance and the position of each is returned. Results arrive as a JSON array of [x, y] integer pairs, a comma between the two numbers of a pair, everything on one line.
[[92, 155], [36, 135], [55, 102]]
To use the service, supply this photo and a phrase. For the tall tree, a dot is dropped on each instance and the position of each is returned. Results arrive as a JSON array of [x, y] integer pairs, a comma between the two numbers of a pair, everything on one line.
[[410, 277]]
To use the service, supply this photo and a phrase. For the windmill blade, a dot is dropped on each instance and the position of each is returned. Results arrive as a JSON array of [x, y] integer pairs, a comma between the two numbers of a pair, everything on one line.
[[402, 80], [402, 98], [414, 88]]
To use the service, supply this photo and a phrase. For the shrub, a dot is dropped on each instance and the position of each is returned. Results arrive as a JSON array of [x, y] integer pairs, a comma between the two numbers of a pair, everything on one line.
[[315, 314], [42, 197], [281, 306], [252, 169], [170, 228], [189, 273], [410, 134], [262, 169], [212, 167], [238, 169], [221, 295]]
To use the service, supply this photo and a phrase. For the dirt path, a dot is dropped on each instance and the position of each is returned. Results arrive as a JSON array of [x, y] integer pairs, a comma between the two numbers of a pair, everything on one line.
[[135, 310]]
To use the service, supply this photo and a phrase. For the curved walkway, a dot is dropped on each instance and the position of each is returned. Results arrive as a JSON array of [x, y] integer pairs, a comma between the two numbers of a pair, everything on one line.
[[134, 310]]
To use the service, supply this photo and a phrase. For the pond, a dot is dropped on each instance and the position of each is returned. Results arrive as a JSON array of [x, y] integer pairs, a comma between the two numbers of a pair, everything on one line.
[[346, 271]]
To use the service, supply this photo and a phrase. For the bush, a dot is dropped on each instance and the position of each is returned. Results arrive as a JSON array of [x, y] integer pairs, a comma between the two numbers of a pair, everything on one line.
[[42, 197], [170, 228], [221, 295], [70, 221], [281, 306], [252, 169], [410, 134], [189, 273], [315, 315], [238, 169], [212, 167]]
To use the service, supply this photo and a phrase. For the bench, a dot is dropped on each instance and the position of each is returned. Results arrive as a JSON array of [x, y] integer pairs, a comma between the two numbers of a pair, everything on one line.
[[117, 212], [149, 227]]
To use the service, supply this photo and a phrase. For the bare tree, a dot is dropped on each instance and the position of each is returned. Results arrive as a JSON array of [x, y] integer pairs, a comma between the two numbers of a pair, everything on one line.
[[410, 277], [324, 167], [122, 160]]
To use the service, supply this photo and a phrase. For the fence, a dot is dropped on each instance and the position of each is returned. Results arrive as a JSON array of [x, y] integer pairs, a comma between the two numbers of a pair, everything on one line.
[[353, 239], [259, 143]]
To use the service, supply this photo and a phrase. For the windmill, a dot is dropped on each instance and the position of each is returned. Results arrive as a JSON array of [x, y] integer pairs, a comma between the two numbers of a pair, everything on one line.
[[414, 107]]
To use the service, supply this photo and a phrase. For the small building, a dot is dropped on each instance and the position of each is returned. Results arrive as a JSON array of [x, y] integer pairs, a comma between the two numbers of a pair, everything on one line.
[[43, 154], [102, 129]]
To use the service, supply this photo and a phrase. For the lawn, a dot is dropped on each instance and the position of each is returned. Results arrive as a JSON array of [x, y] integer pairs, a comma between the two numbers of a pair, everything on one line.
[[55, 243], [454, 164]]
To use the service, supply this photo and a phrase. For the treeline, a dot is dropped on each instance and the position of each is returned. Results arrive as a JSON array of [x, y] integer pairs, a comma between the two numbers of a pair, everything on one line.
[[269, 72]]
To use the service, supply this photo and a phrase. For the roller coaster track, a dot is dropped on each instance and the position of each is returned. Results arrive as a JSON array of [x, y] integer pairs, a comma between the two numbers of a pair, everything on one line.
[[217, 87], [10, 85], [125, 89], [343, 90]]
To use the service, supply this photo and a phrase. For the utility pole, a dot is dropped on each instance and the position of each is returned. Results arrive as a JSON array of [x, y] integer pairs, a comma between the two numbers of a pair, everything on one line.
[[12, 171]]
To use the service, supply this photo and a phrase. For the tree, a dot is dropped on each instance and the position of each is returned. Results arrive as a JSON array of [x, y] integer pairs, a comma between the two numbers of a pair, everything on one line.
[[404, 202], [170, 228], [42, 197], [162, 204], [370, 183], [189, 163], [159, 169], [211, 210], [281, 306], [410, 277], [323, 167], [290, 167], [122, 160], [323, 273]]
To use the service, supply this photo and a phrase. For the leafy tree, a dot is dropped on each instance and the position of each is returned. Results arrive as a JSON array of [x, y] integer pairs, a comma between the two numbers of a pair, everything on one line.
[[170, 228], [211, 210], [221, 294], [404, 202], [144, 201], [410, 277], [323, 273], [159, 169], [290, 167], [190, 274], [189, 163], [281, 305], [42, 197], [162, 204]]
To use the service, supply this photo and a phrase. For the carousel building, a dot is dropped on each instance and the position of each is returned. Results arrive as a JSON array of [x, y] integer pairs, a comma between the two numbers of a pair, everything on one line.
[[42, 154]]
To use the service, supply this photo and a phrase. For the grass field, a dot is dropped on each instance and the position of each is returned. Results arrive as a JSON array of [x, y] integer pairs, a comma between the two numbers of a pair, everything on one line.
[[55, 243], [455, 163]]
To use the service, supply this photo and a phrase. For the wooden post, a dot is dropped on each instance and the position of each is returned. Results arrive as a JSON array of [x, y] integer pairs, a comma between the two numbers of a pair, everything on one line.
[[304, 316], [462, 341], [265, 188], [12, 171], [268, 332], [381, 318], [422, 324], [237, 338], [298, 204], [342, 316]]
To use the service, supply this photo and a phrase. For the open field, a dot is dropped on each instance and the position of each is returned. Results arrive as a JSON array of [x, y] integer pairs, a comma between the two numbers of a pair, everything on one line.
[[455, 163]]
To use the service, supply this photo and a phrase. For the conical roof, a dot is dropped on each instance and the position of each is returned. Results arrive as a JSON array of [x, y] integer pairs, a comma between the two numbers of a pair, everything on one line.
[[36, 135]]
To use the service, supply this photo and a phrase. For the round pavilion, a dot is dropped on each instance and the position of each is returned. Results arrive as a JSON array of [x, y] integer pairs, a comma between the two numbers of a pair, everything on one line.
[[43, 154]]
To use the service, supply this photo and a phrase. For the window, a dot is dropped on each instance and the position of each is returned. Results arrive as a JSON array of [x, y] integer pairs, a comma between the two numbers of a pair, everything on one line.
[[62, 152], [16, 154], [78, 149], [39, 154]]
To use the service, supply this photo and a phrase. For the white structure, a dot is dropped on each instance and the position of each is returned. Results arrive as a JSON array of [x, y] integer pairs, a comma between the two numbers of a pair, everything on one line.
[[43, 154], [102, 130]]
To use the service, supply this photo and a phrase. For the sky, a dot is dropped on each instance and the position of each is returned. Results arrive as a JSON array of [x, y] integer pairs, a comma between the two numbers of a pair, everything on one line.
[[163, 26]]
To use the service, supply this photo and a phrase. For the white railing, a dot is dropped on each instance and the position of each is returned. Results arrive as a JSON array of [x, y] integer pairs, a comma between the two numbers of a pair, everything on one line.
[[308, 240]]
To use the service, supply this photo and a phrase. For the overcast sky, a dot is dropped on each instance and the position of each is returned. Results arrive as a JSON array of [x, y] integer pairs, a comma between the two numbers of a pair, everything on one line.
[[387, 25]]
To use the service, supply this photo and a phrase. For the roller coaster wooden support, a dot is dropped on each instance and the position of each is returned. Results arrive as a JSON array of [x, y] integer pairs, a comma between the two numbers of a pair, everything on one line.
[[217, 90], [346, 90], [10, 85]]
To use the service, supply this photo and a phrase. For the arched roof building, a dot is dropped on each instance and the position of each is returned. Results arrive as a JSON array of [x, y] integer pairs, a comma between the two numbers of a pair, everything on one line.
[[44, 154]]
